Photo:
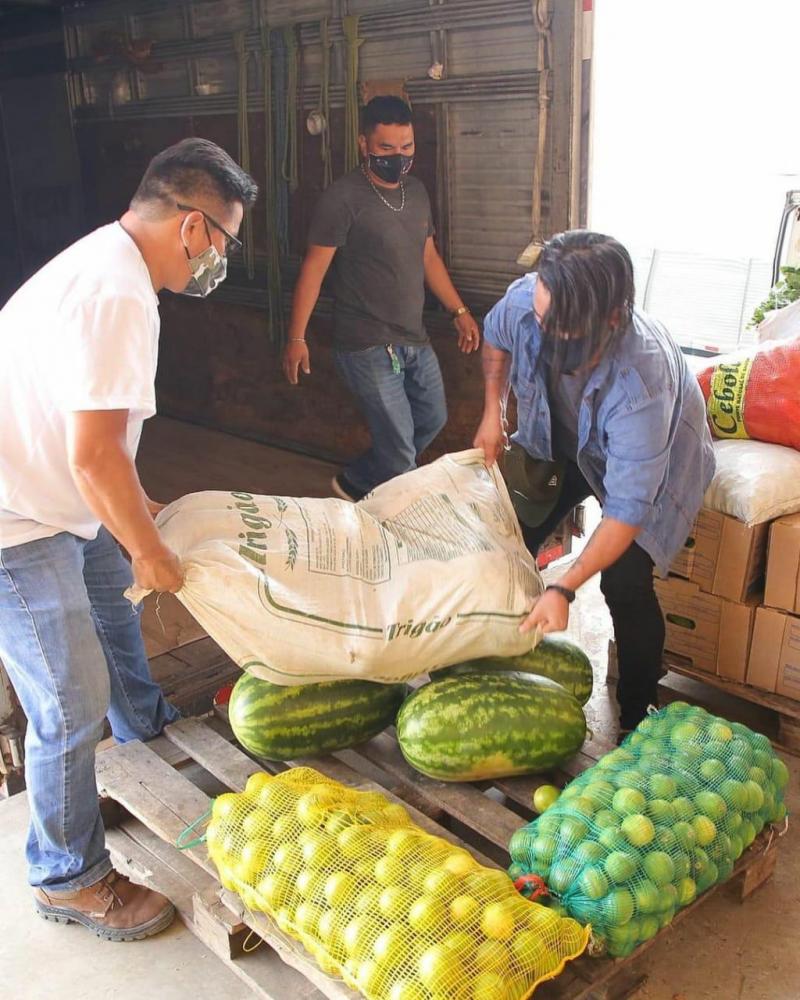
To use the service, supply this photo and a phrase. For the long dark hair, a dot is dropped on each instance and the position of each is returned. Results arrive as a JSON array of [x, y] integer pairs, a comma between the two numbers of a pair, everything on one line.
[[590, 280]]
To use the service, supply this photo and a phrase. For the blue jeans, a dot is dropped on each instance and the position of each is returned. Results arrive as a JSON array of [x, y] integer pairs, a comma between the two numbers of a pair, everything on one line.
[[72, 646], [404, 411]]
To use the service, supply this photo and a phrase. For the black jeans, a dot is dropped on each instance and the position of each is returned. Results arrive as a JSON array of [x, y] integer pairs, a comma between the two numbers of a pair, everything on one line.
[[627, 587]]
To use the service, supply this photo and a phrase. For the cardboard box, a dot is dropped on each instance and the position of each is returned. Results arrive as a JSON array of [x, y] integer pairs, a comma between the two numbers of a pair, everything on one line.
[[783, 565], [710, 632], [724, 556], [775, 653]]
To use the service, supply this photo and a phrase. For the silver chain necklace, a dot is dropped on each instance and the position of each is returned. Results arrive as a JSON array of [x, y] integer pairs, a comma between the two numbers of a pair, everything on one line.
[[388, 204]]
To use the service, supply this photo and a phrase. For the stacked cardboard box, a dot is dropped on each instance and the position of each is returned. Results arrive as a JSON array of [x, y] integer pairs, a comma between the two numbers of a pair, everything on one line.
[[712, 594], [775, 653]]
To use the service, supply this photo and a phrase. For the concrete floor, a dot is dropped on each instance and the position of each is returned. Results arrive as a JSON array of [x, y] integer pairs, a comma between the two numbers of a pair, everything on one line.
[[724, 951]]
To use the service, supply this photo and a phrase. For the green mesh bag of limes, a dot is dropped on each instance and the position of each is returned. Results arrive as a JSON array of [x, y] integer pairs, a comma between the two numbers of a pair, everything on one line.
[[653, 824], [397, 913]]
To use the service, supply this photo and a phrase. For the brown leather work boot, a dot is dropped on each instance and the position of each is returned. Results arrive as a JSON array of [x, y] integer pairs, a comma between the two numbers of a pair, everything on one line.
[[114, 908]]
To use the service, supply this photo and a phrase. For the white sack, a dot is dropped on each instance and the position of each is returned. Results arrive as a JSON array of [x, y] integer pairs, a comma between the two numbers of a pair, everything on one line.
[[754, 481], [429, 570]]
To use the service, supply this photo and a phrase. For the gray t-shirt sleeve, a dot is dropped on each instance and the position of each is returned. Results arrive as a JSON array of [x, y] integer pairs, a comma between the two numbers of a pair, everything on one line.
[[331, 221]]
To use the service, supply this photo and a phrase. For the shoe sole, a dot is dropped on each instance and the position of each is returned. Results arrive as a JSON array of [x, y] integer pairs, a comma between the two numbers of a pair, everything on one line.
[[342, 494], [61, 915]]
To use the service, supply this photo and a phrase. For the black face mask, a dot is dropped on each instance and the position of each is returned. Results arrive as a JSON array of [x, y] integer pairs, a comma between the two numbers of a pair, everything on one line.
[[390, 168], [567, 353]]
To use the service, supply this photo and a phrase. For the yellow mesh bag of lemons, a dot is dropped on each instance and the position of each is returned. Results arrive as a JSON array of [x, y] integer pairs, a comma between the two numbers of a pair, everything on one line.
[[397, 913]]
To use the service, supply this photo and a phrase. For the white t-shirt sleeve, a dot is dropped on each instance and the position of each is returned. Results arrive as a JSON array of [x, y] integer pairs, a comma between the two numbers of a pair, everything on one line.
[[107, 356]]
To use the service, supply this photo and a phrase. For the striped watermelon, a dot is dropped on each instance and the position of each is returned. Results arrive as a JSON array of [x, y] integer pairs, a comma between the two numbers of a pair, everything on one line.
[[489, 725], [560, 660], [284, 723]]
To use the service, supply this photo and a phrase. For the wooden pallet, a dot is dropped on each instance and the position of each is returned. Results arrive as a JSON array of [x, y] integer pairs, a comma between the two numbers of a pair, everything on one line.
[[161, 787], [781, 714]]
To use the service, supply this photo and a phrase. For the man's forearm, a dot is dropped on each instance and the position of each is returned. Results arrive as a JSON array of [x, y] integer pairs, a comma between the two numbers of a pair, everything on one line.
[[306, 294], [108, 482], [440, 282], [609, 540]]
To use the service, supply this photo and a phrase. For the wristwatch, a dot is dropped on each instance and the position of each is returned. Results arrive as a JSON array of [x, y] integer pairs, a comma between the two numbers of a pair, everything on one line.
[[566, 593], [455, 313]]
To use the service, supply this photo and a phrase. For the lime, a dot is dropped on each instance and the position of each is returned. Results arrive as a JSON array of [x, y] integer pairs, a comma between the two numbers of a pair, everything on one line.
[[612, 838], [589, 851], [630, 778], [662, 786], [669, 898], [683, 865], [620, 866], [683, 808], [583, 805], [748, 833], [737, 846], [779, 774], [528, 948], [758, 775], [572, 829], [685, 835], [684, 733], [605, 817], [659, 867], [711, 804], [544, 797], [599, 792], [562, 874], [712, 770], [660, 811], [544, 847], [720, 731], [628, 801], [548, 824], [618, 907], [734, 793], [638, 829], [733, 821], [704, 830], [646, 896], [593, 883], [666, 840], [755, 796], [725, 869], [687, 891], [648, 928], [665, 918]]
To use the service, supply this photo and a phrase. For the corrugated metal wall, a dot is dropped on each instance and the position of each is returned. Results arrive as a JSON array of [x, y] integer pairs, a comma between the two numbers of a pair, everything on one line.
[[143, 74]]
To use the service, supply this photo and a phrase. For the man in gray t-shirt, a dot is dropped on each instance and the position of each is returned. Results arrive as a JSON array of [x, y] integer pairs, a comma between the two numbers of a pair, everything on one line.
[[374, 225]]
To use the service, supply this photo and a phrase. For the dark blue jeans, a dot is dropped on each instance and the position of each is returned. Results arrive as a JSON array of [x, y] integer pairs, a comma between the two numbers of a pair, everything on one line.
[[404, 410]]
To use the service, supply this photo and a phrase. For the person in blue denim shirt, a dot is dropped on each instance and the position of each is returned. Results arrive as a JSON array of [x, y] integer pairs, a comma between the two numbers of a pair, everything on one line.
[[604, 393]]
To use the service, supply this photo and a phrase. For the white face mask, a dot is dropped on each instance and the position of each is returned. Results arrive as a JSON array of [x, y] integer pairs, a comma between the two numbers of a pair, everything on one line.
[[208, 268]]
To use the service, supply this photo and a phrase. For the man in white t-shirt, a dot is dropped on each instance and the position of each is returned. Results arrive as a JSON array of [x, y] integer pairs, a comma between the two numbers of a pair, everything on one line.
[[79, 346]]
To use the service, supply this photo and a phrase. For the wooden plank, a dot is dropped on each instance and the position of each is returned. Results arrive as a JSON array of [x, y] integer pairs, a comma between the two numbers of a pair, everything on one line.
[[156, 793], [465, 803], [232, 767], [263, 972], [779, 703]]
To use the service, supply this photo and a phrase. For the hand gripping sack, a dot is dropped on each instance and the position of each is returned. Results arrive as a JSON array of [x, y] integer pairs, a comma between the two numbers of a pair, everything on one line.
[[654, 823], [429, 570]]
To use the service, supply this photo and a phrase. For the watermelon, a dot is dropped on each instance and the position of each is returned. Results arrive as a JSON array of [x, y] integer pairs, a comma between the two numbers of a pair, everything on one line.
[[560, 660], [489, 725], [284, 723]]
